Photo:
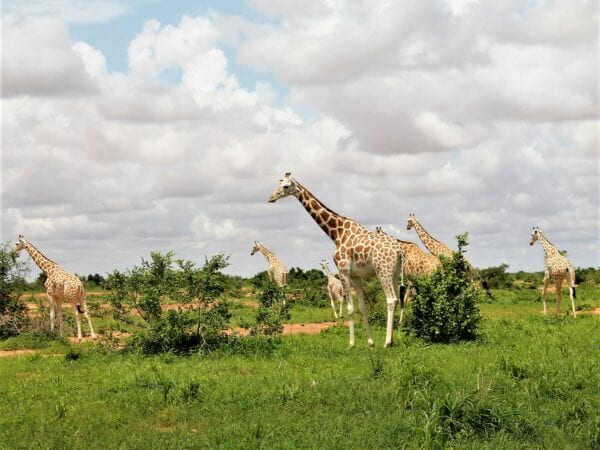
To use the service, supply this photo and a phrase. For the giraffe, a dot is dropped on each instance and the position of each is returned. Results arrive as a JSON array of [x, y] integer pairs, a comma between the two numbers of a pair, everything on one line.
[[276, 270], [434, 246], [60, 285], [335, 289], [556, 269], [438, 248], [359, 254]]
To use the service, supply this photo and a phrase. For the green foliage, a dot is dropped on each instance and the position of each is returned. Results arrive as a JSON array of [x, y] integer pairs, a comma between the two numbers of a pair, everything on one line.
[[496, 277], [163, 278], [272, 311], [589, 275], [12, 283], [444, 304], [143, 287], [308, 287]]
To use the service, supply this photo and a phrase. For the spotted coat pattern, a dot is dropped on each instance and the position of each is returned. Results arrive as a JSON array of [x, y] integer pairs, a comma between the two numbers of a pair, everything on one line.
[[60, 286], [335, 289], [557, 268], [359, 253], [276, 270]]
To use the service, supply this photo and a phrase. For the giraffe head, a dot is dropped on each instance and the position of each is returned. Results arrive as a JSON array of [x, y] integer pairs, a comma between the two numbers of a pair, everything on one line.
[[411, 221], [255, 248], [324, 264], [287, 186], [378, 229], [20, 245], [535, 235]]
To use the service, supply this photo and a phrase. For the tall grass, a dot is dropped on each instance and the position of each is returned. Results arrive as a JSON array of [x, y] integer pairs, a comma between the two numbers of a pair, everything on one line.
[[526, 383]]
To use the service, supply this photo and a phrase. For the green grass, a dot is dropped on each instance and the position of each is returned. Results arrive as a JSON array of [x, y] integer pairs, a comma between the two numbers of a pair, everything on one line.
[[528, 382]]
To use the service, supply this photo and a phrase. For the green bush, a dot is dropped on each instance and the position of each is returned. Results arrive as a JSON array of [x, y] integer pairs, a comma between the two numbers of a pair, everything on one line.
[[496, 277], [13, 315], [272, 311], [445, 303]]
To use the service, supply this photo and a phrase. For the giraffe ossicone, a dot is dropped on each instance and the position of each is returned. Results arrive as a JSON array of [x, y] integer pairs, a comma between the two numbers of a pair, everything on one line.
[[60, 285]]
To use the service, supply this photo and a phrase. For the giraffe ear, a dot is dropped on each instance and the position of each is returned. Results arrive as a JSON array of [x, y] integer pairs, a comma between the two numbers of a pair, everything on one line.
[[287, 174]]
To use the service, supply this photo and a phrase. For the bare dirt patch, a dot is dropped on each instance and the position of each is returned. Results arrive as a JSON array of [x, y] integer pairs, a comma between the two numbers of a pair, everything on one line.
[[288, 328]]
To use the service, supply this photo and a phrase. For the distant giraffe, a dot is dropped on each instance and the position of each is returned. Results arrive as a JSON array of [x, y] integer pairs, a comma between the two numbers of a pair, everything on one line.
[[434, 246], [437, 248], [276, 270], [556, 269], [60, 285], [335, 289], [359, 254]]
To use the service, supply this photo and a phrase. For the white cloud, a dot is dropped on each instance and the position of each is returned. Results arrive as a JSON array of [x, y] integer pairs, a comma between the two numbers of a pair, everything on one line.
[[37, 59], [433, 108]]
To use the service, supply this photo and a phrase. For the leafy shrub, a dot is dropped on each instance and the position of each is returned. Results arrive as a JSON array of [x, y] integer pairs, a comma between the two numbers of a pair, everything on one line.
[[444, 305], [272, 311], [183, 331], [12, 283], [496, 277]]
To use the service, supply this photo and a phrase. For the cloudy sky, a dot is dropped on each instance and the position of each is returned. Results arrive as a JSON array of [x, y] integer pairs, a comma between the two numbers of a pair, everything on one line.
[[157, 125]]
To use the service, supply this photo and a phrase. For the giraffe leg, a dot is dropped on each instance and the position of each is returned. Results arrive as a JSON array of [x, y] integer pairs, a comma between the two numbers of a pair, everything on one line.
[[78, 321], [558, 287], [546, 283], [360, 295], [59, 315], [332, 304], [348, 293], [86, 314], [572, 291], [52, 306], [403, 301]]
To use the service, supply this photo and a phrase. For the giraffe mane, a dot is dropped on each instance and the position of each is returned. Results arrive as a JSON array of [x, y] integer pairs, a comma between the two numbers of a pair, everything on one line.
[[328, 209]]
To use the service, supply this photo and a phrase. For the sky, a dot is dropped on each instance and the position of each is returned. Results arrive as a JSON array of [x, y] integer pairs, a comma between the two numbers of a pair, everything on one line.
[[149, 125]]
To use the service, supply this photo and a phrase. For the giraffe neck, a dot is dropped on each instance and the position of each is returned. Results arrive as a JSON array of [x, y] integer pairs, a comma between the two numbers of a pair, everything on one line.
[[45, 264], [328, 220], [428, 241], [328, 273], [268, 254], [549, 248]]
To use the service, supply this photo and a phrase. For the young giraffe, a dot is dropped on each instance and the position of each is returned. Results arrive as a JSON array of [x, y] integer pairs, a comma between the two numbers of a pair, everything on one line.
[[276, 270], [359, 254], [556, 269], [434, 246], [60, 285], [335, 289]]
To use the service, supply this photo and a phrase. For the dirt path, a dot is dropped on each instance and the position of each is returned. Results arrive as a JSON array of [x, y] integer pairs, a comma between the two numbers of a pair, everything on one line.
[[288, 328]]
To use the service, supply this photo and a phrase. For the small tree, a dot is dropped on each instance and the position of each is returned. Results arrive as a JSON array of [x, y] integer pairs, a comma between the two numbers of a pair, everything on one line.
[[143, 287], [272, 311], [12, 283], [445, 303]]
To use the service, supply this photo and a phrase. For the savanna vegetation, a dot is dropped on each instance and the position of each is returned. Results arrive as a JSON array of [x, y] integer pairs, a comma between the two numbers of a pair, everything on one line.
[[168, 373]]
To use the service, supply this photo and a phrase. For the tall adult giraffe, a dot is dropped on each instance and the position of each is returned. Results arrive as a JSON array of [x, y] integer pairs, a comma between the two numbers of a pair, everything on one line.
[[359, 254], [60, 285], [276, 269], [556, 269]]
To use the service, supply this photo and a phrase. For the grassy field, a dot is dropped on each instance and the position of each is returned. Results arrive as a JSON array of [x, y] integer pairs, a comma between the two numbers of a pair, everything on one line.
[[527, 382]]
